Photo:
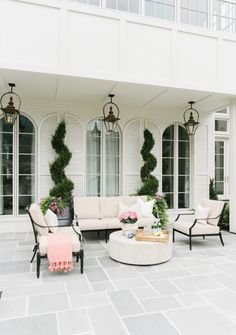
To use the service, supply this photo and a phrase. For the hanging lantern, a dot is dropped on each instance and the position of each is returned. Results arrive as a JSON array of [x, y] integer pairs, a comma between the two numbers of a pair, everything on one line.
[[192, 115], [110, 116], [10, 112]]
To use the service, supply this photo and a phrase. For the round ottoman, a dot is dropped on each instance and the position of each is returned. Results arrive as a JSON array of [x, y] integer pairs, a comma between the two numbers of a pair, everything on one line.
[[130, 251]]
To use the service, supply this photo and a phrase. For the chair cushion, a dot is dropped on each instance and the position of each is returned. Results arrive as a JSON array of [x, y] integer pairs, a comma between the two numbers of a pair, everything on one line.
[[86, 207], [198, 229], [201, 214], [109, 206], [38, 218], [43, 243], [112, 223], [146, 208], [92, 224], [51, 220], [216, 208]]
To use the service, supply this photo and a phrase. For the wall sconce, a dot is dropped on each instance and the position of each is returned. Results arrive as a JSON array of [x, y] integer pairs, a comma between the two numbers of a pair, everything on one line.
[[10, 112], [191, 114], [110, 118]]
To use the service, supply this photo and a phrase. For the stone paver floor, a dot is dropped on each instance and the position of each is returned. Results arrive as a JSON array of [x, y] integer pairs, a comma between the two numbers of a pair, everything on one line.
[[194, 293]]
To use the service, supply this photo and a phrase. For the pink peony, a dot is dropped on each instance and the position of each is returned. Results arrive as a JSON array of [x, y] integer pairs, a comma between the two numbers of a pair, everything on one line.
[[133, 215]]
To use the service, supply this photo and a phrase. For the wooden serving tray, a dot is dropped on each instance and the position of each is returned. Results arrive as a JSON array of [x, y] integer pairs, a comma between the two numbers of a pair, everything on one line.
[[140, 236]]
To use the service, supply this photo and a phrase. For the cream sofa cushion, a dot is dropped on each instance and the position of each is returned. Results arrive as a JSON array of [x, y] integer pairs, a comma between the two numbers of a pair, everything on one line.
[[132, 199], [216, 207], [51, 220], [198, 229], [109, 206], [43, 243], [92, 224], [146, 208], [112, 223], [86, 207], [124, 208], [38, 218]]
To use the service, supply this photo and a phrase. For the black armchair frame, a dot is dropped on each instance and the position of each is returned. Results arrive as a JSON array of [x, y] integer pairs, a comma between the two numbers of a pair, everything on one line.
[[78, 255], [220, 217]]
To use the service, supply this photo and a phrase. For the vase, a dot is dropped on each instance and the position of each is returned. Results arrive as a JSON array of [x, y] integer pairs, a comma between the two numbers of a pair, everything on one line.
[[129, 228], [65, 218]]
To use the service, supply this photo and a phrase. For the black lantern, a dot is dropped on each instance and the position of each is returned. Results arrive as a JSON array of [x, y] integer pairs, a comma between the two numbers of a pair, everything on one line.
[[112, 117], [193, 117], [10, 112]]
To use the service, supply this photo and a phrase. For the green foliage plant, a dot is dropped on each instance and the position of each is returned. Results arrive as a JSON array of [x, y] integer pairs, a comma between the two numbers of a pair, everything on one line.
[[63, 186], [150, 183], [160, 209], [212, 191], [225, 221]]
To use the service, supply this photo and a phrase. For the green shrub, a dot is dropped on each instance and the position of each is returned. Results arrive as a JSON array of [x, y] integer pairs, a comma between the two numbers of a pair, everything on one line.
[[225, 221], [160, 209], [212, 191]]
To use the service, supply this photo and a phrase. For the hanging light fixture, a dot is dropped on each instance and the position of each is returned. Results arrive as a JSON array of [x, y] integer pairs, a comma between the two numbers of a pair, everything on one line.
[[10, 112], [192, 115], [112, 117]]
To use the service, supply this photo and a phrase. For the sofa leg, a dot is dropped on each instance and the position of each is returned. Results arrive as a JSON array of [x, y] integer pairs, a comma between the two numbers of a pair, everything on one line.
[[106, 236], [81, 261], [38, 264], [221, 239], [190, 242], [203, 237], [173, 235]]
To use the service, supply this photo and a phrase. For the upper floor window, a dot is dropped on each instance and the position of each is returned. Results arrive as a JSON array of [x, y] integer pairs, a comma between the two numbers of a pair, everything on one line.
[[90, 2], [194, 12], [224, 15], [163, 9], [131, 6], [176, 166], [102, 160], [17, 166]]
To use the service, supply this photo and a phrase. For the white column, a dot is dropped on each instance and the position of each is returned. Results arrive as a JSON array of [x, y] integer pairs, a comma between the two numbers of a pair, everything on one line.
[[232, 165]]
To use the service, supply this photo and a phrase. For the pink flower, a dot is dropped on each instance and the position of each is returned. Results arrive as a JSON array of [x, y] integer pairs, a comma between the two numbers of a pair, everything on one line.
[[133, 215]]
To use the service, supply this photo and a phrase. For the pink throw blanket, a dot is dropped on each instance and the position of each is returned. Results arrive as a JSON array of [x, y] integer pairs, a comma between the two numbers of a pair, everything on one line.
[[60, 252]]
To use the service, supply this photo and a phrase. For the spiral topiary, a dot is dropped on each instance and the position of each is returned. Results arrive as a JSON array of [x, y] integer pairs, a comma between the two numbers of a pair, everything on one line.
[[150, 183], [63, 186]]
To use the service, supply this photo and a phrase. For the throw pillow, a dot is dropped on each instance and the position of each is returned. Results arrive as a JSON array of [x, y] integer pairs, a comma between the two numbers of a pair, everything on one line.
[[146, 208], [125, 208], [201, 214], [52, 221]]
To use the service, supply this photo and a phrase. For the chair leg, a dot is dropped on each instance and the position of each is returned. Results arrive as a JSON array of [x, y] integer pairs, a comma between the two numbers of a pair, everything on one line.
[[106, 236], [38, 264], [203, 237], [77, 257], [34, 252], [221, 239], [190, 242], [173, 235], [81, 260]]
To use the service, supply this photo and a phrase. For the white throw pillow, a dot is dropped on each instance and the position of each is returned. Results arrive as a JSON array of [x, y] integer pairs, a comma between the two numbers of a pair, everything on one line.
[[124, 208], [146, 208], [202, 213], [51, 220]]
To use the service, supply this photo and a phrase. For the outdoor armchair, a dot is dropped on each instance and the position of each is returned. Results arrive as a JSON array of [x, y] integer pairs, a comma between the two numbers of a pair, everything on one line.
[[201, 226], [41, 231]]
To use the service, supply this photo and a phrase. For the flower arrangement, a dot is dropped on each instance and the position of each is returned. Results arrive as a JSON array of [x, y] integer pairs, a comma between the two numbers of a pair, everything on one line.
[[56, 205], [160, 208], [128, 217]]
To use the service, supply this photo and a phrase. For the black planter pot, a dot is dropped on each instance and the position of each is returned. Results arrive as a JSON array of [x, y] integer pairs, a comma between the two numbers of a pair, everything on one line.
[[65, 218]]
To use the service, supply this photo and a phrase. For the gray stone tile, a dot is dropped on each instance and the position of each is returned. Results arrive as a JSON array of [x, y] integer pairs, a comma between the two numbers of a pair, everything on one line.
[[149, 324], [202, 320], [7, 268], [225, 280], [125, 303], [191, 299], [223, 299], [203, 269], [36, 325], [195, 283], [48, 303], [90, 262], [105, 321], [160, 304], [107, 262], [33, 290], [122, 284], [144, 268], [144, 292], [105, 286], [229, 268], [166, 274], [17, 280], [95, 299], [8, 245], [122, 272], [73, 321], [96, 274], [77, 287], [12, 308], [164, 287]]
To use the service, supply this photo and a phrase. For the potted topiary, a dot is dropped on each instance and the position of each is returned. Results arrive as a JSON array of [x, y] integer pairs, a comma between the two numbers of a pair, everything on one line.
[[60, 196]]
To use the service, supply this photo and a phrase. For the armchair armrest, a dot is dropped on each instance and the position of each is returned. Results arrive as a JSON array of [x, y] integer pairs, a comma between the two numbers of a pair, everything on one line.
[[178, 215]]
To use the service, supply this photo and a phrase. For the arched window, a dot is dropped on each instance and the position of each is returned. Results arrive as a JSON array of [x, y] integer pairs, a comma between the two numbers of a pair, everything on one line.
[[176, 166], [17, 166], [102, 160]]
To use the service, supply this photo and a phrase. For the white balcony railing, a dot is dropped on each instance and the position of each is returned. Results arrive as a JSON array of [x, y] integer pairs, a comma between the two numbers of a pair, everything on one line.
[[212, 14]]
